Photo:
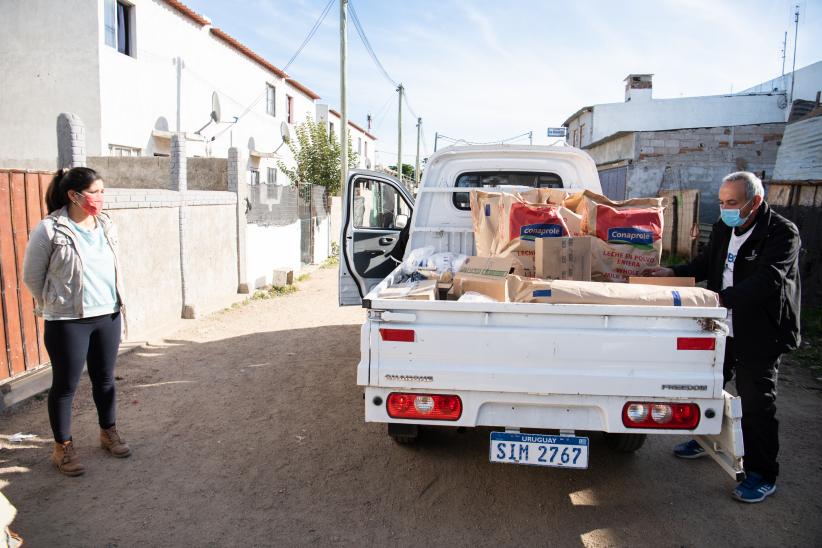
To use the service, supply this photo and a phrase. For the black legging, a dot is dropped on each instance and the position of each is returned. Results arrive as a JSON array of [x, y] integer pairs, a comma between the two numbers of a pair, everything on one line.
[[70, 344]]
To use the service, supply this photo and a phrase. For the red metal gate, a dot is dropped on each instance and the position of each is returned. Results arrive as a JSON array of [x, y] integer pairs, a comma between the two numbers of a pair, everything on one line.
[[22, 206]]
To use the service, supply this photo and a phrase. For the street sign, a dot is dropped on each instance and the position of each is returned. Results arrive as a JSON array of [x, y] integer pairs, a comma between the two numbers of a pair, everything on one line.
[[557, 131]]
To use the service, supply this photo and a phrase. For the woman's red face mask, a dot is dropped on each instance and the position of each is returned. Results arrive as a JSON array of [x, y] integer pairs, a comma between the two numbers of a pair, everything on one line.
[[90, 203]]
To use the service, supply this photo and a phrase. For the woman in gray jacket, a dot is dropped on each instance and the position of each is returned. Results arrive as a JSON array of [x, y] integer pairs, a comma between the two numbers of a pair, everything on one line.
[[71, 270]]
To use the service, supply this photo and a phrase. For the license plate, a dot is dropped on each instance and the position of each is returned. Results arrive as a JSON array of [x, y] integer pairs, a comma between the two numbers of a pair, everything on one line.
[[539, 450]]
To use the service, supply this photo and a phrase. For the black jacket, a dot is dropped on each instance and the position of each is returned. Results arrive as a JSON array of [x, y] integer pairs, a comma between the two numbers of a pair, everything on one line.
[[765, 296]]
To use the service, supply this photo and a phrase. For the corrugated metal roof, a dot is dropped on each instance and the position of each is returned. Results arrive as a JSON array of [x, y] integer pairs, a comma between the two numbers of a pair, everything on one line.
[[800, 155]]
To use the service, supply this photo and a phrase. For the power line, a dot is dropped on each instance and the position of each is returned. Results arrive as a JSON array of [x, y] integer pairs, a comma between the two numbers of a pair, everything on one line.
[[259, 98], [310, 34], [361, 32]]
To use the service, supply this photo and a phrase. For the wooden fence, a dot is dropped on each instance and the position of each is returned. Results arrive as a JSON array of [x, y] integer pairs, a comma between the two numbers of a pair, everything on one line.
[[22, 206], [681, 218], [801, 202]]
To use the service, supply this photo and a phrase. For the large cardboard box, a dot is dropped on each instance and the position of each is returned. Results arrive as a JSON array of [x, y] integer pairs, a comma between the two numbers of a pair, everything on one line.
[[485, 275], [564, 258], [672, 281]]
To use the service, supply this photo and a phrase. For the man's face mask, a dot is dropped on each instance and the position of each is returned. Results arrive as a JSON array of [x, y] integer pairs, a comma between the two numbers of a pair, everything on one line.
[[732, 217]]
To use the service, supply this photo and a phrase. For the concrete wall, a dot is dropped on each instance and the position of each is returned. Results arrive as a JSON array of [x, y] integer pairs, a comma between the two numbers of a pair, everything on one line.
[[49, 64], [151, 261], [614, 150], [699, 158], [336, 218], [211, 248], [151, 268], [144, 172], [269, 248], [808, 82]]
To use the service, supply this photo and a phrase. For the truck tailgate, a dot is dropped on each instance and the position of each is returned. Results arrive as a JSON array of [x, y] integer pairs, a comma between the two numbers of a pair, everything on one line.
[[546, 349]]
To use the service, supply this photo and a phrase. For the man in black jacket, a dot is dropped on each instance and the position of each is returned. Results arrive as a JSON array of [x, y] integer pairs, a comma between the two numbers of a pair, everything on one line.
[[751, 261]]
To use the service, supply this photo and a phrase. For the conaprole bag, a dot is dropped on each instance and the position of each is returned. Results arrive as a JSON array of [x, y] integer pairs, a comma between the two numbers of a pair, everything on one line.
[[485, 218], [520, 223], [528, 290], [629, 234]]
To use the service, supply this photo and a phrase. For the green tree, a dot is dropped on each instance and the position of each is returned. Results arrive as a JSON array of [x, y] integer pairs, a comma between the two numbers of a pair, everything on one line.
[[407, 169], [318, 157]]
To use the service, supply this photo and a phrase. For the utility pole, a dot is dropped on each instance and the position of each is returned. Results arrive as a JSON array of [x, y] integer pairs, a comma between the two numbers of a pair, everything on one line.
[[436, 138], [417, 166], [399, 133], [179, 62], [793, 70], [343, 83]]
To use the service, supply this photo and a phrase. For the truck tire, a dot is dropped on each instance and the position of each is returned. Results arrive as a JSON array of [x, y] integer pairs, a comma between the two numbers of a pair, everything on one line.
[[403, 433], [625, 443]]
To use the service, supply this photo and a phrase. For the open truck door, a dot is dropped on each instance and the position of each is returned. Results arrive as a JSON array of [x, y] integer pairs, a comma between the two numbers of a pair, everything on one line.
[[376, 220]]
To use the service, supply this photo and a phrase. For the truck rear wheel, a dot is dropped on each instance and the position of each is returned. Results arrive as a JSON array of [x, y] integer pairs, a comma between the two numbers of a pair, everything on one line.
[[625, 443], [403, 433]]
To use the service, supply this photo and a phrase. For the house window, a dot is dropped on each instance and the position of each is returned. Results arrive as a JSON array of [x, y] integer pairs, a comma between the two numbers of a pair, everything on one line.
[[359, 146], [289, 110], [272, 176], [121, 150], [119, 26], [366, 149], [254, 178], [271, 99]]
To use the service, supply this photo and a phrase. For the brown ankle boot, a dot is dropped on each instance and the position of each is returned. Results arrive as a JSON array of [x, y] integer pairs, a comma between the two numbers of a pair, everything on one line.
[[111, 441], [66, 460]]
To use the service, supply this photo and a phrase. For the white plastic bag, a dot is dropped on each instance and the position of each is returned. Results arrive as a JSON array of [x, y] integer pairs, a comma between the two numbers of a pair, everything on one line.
[[474, 297], [417, 258], [446, 262]]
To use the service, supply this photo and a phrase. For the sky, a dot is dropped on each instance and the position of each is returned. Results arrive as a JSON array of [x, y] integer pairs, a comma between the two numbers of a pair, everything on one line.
[[489, 70]]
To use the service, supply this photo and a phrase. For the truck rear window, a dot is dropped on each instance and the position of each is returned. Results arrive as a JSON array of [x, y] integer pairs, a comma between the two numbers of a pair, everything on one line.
[[502, 178]]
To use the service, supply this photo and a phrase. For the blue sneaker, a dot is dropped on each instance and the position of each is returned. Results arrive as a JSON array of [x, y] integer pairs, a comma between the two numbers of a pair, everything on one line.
[[689, 450], [753, 489]]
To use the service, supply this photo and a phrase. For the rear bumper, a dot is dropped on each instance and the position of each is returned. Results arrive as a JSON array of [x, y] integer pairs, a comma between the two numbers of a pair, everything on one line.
[[564, 412]]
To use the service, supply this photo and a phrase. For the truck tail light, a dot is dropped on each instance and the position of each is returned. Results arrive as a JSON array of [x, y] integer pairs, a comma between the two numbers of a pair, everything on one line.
[[695, 343], [431, 407], [397, 335], [673, 416]]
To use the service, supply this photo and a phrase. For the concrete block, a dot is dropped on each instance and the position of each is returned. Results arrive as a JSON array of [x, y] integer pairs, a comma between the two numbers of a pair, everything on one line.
[[282, 277], [189, 313], [657, 143]]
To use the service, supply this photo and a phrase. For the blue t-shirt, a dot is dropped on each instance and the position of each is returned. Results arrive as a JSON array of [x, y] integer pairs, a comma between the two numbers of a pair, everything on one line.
[[99, 277]]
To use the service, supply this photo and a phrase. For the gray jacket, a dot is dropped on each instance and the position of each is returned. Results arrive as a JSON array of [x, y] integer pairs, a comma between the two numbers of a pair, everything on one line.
[[53, 266]]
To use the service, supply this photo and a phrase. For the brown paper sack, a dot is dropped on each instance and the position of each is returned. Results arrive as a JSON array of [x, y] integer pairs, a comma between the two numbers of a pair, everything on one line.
[[520, 224], [485, 218], [532, 290]]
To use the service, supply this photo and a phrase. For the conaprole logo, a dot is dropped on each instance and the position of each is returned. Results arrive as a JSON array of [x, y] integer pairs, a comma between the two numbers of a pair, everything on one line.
[[543, 230], [410, 378], [631, 235]]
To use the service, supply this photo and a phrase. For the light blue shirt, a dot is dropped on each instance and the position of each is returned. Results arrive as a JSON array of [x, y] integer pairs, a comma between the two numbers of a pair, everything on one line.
[[99, 277]]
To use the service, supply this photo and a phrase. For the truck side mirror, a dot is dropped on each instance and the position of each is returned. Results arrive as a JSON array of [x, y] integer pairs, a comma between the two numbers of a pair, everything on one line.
[[401, 221]]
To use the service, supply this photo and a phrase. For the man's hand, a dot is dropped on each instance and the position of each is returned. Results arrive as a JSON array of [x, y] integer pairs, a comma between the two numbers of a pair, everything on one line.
[[658, 272]]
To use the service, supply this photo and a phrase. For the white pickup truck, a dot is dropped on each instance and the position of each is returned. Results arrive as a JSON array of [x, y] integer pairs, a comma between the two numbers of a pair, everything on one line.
[[559, 371]]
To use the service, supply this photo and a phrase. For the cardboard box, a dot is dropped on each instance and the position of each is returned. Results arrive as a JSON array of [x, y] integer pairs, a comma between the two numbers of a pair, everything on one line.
[[425, 290], [485, 275], [671, 281], [564, 258]]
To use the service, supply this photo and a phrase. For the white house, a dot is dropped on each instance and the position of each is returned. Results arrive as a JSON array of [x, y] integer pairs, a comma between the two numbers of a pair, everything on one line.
[[363, 142], [135, 71], [644, 145]]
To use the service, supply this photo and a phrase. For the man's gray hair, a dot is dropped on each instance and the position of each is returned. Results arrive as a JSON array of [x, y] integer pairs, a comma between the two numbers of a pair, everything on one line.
[[753, 184]]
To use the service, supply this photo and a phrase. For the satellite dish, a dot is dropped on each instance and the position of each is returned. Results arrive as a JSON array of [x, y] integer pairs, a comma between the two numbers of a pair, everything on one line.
[[215, 107], [285, 133], [215, 115]]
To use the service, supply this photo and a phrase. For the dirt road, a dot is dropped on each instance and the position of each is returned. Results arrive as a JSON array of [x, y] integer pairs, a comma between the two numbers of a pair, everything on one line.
[[247, 429]]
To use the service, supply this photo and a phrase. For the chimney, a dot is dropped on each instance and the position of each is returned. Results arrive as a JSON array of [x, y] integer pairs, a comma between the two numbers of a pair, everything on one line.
[[638, 87]]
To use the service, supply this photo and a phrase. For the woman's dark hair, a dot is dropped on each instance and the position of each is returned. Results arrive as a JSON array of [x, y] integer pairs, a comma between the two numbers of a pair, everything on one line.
[[77, 179]]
